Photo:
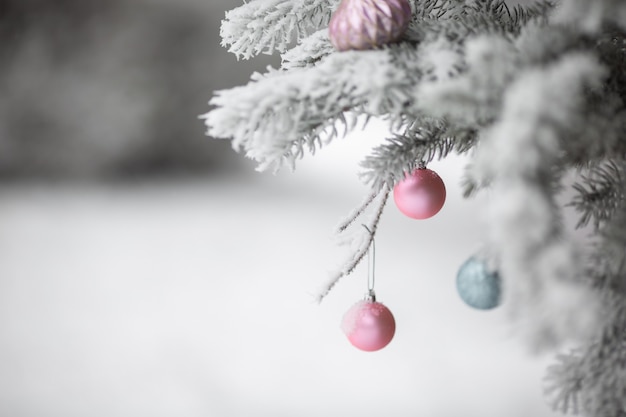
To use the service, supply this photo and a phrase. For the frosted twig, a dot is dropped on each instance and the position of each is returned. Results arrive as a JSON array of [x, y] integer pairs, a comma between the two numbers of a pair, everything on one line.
[[263, 26], [309, 52], [426, 139], [355, 258], [279, 115], [599, 194], [354, 214]]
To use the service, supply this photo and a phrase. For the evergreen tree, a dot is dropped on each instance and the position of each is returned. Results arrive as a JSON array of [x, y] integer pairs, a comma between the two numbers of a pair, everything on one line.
[[531, 94]]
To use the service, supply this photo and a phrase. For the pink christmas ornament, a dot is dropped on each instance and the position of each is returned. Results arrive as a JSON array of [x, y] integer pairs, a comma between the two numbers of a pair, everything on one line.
[[369, 325], [421, 194], [367, 24]]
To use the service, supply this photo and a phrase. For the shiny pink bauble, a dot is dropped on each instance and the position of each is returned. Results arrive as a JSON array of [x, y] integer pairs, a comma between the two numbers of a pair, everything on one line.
[[368, 24], [421, 194], [369, 325]]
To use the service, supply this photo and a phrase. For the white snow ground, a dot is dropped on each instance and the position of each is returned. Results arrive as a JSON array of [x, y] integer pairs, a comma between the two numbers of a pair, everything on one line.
[[195, 299]]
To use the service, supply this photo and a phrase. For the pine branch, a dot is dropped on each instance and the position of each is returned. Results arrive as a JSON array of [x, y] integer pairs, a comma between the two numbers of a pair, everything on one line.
[[263, 26], [309, 52], [522, 15], [593, 379], [564, 381], [519, 154], [362, 243], [599, 194], [458, 21], [423, 140], [475, 96], [592, 16], [611, 47], [280, 114], [356, 213]]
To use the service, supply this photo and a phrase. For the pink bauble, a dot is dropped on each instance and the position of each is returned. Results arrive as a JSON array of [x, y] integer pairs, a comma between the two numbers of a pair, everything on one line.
[[369, 325], [420, 195], [368, 24]]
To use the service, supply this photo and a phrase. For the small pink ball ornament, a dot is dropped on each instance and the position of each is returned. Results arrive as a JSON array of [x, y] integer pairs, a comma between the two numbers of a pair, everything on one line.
[[421, 194], [369, 325], [368, 24]]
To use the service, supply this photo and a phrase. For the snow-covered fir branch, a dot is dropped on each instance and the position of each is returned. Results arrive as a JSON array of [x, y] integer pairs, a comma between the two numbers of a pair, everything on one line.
[[458, 20], [475, 96], [279, 115], [599, 193], [356, 213], [263, 26], [360, 241], [292, 112], [309, 52], [424, 140], [592, 16], [541, 266], [592, 379]]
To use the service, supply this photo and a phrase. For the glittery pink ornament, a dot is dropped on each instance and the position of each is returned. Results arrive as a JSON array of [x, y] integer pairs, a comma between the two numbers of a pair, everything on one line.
[[421, 194], [369, 325], [367, 24]]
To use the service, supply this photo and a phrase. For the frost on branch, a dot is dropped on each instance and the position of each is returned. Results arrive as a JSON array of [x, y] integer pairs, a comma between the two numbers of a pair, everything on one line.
[[475, 97], [458, 20], [599, 193], [359, 241], [592, 379], [591, 16], [278, 115], [263, 26], [423, 140], [309, 52], [542, 269]]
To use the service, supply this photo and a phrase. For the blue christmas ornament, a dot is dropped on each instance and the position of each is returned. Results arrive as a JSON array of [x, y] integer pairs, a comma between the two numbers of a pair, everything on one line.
[[477, 286]]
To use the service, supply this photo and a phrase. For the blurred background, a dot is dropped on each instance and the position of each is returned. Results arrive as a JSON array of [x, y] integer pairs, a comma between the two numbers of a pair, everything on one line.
[[147, 270], [94, 89]]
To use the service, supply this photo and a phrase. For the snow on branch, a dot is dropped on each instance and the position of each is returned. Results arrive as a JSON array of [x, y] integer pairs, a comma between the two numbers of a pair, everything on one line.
[[309, 52], [360, 242], [591, 16], [458, 20], [592, 379], [542, 269], [278, 115], [599, 193], [424, 140], [263, 26], [474, 97]]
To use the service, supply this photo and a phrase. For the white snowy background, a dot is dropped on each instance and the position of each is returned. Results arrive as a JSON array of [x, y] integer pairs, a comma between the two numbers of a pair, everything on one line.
[[194, 297]]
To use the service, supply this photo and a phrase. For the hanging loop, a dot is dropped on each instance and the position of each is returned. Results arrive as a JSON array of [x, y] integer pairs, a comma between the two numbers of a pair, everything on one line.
[[418, 164], [371, 257]]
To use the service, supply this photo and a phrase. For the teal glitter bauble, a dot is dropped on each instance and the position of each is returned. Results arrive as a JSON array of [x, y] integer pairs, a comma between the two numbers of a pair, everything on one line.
[[477, 286]]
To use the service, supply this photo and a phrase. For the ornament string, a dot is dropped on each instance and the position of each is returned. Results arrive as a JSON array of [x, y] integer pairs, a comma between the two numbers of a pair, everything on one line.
[[354, 259], [371, 258]]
